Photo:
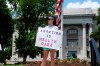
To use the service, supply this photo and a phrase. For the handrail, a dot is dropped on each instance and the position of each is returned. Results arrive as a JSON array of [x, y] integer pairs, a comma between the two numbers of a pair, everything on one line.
[[96, 50]]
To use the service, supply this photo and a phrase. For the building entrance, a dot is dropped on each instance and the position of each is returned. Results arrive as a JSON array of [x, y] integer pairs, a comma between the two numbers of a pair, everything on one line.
[[72, 54]]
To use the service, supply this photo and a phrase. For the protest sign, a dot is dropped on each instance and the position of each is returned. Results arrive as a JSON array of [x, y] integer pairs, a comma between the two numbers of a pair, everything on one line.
[[49, 38]]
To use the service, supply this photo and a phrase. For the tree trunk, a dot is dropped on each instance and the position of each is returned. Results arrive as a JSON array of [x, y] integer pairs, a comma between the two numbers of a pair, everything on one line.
[[24, 59]]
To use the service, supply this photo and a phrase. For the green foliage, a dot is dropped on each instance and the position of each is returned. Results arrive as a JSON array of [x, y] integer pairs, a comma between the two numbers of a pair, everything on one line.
[[14, 65], [6, 30], [1, 57], [98, 17], [26, 44], [75, 60], [5, 17], [96, 33]]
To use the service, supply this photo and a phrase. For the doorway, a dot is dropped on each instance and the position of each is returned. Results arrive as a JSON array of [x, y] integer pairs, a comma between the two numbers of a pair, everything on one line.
[[72, 54]]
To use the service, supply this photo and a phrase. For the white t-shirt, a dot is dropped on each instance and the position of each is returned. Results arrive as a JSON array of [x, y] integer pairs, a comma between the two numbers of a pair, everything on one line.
[[52, 27]]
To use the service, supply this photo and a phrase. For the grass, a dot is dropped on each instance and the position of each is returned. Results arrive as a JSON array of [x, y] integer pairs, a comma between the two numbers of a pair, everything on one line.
[[14, 65]]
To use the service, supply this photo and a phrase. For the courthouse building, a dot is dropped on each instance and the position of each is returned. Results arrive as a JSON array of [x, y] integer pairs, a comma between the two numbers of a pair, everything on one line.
[[77, 27]]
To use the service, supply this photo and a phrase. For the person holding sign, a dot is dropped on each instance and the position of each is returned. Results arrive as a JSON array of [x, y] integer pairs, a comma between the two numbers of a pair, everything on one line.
[[51, 25]]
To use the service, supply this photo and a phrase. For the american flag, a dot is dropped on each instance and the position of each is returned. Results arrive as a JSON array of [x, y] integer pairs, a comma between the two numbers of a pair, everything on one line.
[[59, 11]]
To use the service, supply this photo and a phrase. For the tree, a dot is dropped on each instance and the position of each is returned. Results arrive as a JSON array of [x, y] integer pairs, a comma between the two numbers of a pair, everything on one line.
[[6, 28], [96, 33], [33, 14]]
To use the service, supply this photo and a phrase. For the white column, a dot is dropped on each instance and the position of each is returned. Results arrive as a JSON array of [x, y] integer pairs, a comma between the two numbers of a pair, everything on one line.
[[84, 42], [0, 47], [14, 55], [13, 45], [90, 30], [15, 35]]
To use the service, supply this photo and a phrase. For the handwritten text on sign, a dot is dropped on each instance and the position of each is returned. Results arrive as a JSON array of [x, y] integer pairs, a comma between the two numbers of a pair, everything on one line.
[[48, 38]]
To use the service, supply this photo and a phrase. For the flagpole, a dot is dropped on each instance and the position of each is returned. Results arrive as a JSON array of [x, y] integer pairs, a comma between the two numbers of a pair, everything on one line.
[[61, 49], [59, 22]]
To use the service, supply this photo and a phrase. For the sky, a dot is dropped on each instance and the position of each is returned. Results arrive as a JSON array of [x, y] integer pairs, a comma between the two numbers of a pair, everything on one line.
[[93, 4], [68, 4]]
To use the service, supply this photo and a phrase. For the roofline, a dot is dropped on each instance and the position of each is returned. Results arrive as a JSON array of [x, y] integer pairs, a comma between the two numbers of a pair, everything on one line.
[[87, 15], [79, 14]]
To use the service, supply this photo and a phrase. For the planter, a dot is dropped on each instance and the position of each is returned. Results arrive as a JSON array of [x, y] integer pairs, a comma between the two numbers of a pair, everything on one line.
[[60, 64], [73, 62], [57, 65]]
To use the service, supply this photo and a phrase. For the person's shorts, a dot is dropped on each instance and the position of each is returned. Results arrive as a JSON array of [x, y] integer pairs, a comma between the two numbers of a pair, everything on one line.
[[46, 49]]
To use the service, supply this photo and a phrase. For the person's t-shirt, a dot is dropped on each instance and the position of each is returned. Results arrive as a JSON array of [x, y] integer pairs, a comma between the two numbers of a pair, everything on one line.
[[52, 27]]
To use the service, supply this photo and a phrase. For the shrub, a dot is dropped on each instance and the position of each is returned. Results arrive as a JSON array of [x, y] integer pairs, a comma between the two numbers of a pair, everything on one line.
[[75, 60]]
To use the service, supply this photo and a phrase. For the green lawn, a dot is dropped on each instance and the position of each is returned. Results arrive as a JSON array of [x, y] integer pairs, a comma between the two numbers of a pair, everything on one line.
[[13, 65]]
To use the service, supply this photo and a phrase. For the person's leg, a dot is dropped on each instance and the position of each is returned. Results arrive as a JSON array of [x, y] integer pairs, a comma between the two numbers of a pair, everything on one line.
[[52, 54], [45, 55]]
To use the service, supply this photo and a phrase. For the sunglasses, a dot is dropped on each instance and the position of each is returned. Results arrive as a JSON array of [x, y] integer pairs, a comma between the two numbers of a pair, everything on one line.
[[50, 19]]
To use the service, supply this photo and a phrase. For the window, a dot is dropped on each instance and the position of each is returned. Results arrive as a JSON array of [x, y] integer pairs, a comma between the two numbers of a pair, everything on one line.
[[72, 37], [72, 42], [72, 32]]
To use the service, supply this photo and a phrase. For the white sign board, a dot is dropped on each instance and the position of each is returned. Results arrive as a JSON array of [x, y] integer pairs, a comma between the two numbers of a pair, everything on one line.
[[49, 38]]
